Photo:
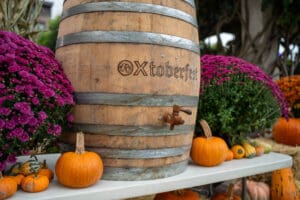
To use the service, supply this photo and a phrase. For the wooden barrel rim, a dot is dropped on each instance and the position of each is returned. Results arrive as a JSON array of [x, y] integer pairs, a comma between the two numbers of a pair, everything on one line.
[[124, 99], [190, 2], [129, 7], [134, 174], [133, 153], [150, 162], [127, 37], [131, 174], [127, 130]]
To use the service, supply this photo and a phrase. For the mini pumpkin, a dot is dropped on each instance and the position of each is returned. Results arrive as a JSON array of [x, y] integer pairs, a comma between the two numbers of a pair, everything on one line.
[[287, 131], [209, 150], [34, 183], [238, 151], [8, 187], [185, 194], [79, 169], [46, 171], [18, 178], [283, 185], [229, 155]]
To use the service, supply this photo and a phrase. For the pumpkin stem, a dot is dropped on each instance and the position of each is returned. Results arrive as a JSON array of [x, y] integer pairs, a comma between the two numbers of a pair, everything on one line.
[[80, 143], [229, 195], [206, 128], [1, 175]]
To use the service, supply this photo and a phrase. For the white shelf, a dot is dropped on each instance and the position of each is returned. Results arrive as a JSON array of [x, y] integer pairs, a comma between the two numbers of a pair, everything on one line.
[[193, 176]]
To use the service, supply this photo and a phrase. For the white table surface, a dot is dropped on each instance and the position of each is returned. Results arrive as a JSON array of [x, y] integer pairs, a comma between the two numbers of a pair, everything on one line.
[[193, 176]]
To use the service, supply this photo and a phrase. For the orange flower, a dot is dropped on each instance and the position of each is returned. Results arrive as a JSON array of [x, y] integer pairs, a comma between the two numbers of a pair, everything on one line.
[[290, 86]]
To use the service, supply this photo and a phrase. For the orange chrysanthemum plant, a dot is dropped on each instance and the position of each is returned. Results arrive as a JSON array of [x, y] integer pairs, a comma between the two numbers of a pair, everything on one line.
[[287, 131], [290, 86]]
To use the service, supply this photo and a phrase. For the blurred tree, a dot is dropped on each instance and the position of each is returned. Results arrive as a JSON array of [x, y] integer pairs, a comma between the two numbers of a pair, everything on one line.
[[259, 27], [20, 16], [48, 38]]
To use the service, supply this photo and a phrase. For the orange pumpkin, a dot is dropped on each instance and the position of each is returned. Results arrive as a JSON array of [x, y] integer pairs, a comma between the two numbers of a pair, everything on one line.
[[283, 186], [46, 171], [18, 178], [8, 187], [34, 183], [79, 169], [185, 194], [287, 131], [209, 150], [226, 195], [229, 155]]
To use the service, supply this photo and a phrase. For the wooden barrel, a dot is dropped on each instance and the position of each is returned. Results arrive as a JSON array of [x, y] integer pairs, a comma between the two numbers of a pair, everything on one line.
[[130, 61]]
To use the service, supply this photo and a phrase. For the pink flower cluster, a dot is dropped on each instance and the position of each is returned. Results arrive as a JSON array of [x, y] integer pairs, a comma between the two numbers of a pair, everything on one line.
[[35, 96], [220, 68]]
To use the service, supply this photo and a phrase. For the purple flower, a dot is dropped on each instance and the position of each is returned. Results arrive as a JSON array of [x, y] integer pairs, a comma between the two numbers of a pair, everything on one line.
[[2, 124], [35, 101], [24, 119], [5, 111], [220, 67], [11, 124], [11, 158], [24, 74], [42, 116], [25, 152], [13, 68], [70, 118], [24, 137], [48, 93], [23, 107], [33, 88], [17, 132]]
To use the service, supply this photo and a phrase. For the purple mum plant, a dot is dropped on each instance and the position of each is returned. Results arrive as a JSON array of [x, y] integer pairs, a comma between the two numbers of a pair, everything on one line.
[[35, 97], [238, 98]]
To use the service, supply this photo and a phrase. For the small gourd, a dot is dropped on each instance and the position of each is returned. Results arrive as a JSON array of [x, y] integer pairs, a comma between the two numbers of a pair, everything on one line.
[[34, 183], [238, 151], [185, 194], [29, 167], [283, 185], [79, 169], [250, 151], [209, 150], [259, 150], [8, 187]]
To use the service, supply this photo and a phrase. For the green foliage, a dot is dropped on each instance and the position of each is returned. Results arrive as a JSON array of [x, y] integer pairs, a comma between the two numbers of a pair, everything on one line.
[[20, 16], [238, 107], [48, 38]]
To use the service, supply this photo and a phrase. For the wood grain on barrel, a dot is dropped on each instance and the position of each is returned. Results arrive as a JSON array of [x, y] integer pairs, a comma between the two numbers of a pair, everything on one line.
[[129, 62]]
